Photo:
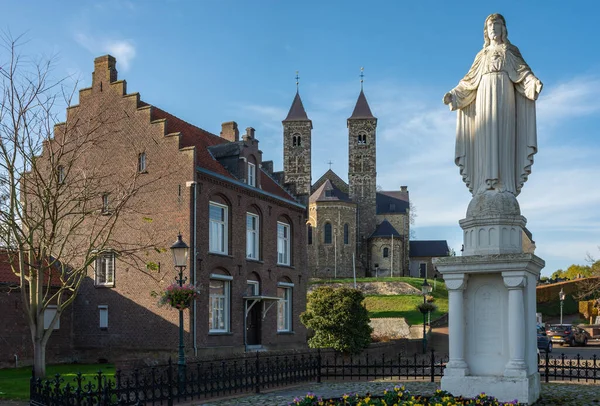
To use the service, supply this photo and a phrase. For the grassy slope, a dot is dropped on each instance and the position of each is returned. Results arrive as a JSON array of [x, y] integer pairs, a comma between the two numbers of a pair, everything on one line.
[[381, 306], [14, 382]]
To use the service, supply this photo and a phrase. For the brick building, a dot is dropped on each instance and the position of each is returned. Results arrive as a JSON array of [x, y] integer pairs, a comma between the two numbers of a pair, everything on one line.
[[246, 234], [347, 219]]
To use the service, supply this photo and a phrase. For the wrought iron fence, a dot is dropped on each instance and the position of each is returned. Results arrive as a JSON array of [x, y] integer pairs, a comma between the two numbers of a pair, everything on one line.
[[163, 385], [563, 368]]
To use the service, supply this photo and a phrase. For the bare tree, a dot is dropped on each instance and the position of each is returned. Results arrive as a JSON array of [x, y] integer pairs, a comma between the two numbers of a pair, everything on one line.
[[589, 286], [57, 212]]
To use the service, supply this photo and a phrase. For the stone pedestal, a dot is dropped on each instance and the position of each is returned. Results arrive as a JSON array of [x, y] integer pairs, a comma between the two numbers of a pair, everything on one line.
[[492, 300]]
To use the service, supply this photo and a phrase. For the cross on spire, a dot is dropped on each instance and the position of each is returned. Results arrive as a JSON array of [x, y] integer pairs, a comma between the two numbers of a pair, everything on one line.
[[297, 81], [330, 163], [362, 75]]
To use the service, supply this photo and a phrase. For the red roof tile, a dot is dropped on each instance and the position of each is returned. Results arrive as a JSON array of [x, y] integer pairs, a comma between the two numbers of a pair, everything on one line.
[[194, 136], [202, 139]]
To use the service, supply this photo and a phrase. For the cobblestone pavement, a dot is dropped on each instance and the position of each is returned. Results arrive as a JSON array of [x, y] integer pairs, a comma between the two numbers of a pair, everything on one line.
[[567, 394]]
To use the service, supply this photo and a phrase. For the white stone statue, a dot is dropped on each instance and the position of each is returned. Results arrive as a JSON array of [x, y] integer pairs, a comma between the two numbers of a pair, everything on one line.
[[496, 128]]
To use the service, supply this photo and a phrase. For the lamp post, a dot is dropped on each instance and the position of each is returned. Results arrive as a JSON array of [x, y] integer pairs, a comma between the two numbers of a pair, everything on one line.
[[425, 289], [180, 257], [561, 296]]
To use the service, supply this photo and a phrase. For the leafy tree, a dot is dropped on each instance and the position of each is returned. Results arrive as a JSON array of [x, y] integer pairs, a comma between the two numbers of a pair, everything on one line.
[[558, 274], [338, 318]]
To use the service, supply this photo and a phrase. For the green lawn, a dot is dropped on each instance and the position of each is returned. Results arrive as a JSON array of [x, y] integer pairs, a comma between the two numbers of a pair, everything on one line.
[[381, 306], [14, 382]]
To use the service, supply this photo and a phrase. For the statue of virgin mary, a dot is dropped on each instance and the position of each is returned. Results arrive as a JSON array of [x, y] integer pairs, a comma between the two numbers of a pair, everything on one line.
[[496, 128]]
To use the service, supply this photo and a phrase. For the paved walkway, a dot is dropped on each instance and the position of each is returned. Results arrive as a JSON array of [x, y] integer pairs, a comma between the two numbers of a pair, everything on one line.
[[567, 394]]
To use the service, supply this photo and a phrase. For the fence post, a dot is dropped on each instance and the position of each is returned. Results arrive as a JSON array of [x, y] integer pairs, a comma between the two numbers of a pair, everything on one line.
[[546, 367], [257, 366], [319, 365], [432, 365], [170, 384]]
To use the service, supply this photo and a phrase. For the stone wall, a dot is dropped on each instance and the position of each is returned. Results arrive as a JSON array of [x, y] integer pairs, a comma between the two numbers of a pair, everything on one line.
[[335, 259]]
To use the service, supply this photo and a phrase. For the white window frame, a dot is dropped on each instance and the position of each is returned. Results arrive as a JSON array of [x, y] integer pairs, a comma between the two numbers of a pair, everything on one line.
[[214, 245], [103, 317], [251, 174], [283, 244], [255, 287], [49, 314], [61, 174], [284, 307], [222, 302], [105, 204], [142, 162], [253, 237], [106, 260]]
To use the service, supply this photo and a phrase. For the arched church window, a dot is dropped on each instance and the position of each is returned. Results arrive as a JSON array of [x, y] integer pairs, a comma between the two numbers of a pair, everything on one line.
[[309, 234], [327, 233], [346, 233], [294, 141], [386, 252], [299, 141]]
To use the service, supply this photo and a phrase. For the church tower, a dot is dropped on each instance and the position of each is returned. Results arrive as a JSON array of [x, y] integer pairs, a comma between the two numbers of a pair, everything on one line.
[[362, 169], [297, 130]]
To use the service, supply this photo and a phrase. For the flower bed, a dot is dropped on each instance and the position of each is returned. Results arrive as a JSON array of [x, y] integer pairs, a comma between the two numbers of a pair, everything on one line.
[[399, 396]]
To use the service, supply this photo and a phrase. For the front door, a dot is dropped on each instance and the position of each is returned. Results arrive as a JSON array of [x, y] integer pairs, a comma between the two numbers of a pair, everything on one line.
[[253, 320]]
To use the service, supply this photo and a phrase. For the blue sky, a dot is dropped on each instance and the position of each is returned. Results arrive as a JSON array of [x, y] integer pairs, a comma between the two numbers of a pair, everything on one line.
[[214, 61]]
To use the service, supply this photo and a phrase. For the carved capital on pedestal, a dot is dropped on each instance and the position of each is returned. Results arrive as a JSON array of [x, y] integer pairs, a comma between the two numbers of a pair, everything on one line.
[[514, 281], [456, 281]]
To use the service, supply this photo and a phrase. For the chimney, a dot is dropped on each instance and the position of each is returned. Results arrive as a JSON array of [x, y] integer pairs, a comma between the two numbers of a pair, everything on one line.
[[249, 134], [404, 188], [105, 71], [230, 132]]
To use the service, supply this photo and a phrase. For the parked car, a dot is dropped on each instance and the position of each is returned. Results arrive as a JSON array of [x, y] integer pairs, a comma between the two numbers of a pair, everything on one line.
[[544, 342], [566, 334]]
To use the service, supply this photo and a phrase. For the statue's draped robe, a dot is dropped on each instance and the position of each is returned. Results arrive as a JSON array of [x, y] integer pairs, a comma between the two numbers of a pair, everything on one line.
[[496, 130]]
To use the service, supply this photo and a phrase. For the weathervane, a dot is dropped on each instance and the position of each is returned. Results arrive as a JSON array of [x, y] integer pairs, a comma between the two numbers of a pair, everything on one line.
[[362, 75], [297, 81]]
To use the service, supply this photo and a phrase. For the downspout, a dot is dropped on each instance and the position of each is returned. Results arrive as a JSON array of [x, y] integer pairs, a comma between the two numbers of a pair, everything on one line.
[[192, 184]]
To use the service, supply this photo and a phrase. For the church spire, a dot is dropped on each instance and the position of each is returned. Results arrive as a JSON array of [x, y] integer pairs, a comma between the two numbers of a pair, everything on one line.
[[362, 109], [297, 112]]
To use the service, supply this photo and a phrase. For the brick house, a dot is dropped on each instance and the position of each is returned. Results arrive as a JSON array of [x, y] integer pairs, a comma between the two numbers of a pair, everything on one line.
[[15, 335], [246, 235]]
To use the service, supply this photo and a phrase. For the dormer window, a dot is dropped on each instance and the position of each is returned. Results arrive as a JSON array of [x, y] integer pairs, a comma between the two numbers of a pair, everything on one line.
[[392, 207], [251, 174], [329, 193]]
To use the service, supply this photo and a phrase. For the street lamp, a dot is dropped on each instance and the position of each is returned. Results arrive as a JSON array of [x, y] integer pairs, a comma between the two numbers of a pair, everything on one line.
[[180, 257], [561, 296], [425, 289]]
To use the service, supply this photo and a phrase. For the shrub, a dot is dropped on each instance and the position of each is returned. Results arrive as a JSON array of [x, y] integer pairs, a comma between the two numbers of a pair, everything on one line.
[[338, 318]]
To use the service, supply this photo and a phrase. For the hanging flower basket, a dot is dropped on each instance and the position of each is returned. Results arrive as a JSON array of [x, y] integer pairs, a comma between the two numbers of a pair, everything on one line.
[[430, 299], [426, 307], [179, 297]]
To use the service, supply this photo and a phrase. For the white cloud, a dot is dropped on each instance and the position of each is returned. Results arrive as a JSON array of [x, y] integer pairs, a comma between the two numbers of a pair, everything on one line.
[[416, 136], [123, 50]]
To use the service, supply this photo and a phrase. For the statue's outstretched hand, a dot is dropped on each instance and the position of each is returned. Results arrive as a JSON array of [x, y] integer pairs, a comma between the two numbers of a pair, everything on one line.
[[447, 98]]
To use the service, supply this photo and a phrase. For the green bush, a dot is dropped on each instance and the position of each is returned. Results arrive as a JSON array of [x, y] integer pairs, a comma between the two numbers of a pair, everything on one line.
[[570, 306], [338, 318]]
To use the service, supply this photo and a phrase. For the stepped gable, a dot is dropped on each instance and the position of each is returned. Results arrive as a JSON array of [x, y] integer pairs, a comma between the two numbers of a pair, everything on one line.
[[361, 109], [328, 192], [394, 201], [202, 140], [193, 136], [334, 178], [429, 248], [385, 229]]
